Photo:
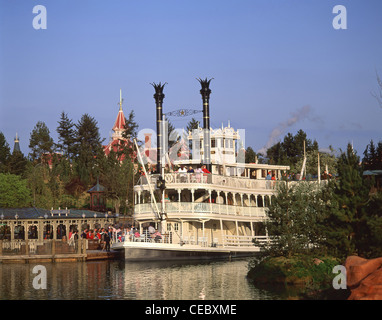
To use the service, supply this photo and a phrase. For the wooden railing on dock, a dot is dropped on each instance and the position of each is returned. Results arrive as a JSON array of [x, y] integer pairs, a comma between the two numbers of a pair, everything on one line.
[[54, 250]]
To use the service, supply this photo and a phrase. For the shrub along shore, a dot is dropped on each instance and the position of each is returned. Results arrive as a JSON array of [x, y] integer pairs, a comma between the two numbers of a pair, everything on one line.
[[301, 276]]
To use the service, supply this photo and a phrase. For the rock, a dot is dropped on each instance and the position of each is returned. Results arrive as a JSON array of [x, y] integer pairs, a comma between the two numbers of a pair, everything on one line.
[[364, 278]]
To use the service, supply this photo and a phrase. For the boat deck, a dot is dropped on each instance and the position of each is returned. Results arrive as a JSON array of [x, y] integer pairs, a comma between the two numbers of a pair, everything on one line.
[[146, 251]]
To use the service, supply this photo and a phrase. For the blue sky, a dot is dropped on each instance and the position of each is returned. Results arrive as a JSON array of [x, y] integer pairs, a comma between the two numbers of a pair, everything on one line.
[[270, 60]]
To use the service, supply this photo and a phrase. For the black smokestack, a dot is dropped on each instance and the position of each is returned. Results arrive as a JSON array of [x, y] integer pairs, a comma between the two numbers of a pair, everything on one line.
[[159, 96], [205, 92]]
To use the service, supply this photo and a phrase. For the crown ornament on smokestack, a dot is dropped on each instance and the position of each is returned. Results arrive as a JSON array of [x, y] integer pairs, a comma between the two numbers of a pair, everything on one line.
[[159, 97], [205, 92]]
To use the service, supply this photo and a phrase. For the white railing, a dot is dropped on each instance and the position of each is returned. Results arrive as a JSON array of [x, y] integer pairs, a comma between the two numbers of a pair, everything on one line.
[[243, 241], [203, 208], [146, 237], [219, 180], [202, 241], [203, 178]]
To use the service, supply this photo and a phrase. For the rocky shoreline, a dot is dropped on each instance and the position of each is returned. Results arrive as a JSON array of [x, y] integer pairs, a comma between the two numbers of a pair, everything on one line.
[[364, 278]]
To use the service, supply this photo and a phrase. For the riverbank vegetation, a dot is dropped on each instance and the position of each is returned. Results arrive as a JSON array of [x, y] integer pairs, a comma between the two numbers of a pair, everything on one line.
[[309, 222], [59, 174]]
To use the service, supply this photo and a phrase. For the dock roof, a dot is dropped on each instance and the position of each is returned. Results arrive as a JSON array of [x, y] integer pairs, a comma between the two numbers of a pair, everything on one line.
[[39, 213]]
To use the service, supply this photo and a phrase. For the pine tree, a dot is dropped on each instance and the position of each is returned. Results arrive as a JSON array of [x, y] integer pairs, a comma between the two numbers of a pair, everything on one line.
[[88, 148], [291, 149], [373, 236], [192, 124], [4, 153], [131, 127], [347, 219], [40, 141], [66, 135], [372, 159], [17, 163], [250, 155], [129, 134], [379, 156]]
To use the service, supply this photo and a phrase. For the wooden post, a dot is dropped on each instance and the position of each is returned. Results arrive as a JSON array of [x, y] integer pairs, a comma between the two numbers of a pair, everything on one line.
[[40, 231], [78, 245], [53, 247], [26, 244], [12, 228], [222, 232]]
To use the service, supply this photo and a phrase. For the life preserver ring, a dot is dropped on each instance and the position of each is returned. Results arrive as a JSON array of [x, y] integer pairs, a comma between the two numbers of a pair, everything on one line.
[[168, 178]]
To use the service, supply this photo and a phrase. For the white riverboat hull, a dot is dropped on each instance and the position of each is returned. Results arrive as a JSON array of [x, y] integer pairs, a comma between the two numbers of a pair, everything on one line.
[[141, 251]]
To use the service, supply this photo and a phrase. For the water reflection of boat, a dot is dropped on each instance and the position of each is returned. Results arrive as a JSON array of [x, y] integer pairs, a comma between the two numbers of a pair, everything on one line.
[[212, 213]]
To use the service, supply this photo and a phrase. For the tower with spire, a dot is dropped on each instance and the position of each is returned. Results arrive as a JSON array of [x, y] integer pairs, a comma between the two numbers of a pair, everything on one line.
[[120, 122], [118, 128], [16, 147]]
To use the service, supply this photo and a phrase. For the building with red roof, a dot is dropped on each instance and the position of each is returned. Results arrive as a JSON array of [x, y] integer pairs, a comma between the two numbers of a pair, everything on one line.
[[117, 141]]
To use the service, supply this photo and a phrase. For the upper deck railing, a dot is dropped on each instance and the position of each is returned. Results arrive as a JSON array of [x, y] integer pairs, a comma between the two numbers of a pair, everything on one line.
[[233, 182], [211, 179], [203, 209]]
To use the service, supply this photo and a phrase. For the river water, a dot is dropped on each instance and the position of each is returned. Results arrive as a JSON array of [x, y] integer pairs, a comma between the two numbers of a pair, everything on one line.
[[104, 280]]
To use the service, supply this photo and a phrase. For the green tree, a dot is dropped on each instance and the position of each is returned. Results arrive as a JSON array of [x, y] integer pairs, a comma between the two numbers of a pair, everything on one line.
[[66, 136], [17, 163], [250, 155], [118, 179], [129, 134], [37, 176], [14, 192], [327, 160], [291, 150], [88, 148], [4, 153], [131, 127], [372, 159], [40, 141], [346, 223], [192, 124], [295, 219], [372, 239]]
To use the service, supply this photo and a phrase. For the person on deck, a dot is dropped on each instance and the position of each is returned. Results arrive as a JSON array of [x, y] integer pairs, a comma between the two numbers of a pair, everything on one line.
[[206, 173], [157, 236], [90, 235], [106, 241]]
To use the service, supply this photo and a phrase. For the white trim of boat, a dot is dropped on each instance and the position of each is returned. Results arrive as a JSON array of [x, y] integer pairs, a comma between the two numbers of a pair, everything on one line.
[[137, 249]]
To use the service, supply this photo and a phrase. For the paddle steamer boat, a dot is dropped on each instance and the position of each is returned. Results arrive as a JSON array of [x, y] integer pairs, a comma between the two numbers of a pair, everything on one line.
[[201, 215]]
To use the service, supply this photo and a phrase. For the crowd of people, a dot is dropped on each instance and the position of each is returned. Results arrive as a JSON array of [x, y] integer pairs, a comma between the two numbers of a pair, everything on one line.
[[151, 169], [111, 234]]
